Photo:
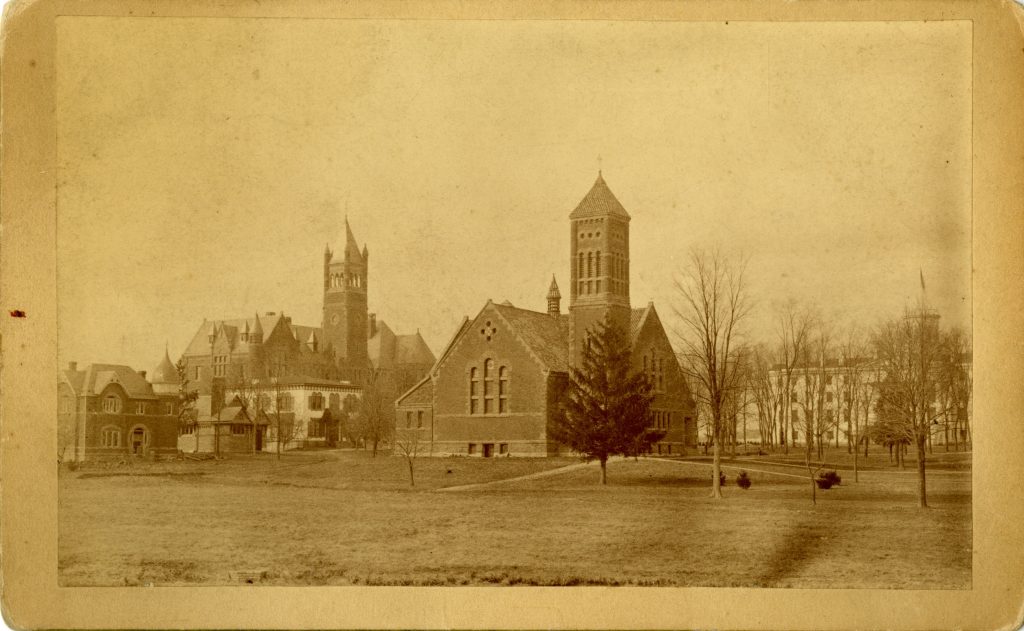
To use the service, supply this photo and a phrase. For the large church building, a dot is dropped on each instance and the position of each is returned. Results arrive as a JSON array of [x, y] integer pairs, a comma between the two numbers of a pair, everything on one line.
[[496, 388]]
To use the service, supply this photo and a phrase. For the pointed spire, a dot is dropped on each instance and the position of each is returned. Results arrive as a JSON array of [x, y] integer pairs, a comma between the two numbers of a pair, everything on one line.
[[554, 298], [256, 335], [599, 202], [553, 289]]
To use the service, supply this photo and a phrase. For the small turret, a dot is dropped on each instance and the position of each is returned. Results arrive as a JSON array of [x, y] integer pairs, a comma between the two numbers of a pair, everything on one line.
[[256, 334], [554, 298]]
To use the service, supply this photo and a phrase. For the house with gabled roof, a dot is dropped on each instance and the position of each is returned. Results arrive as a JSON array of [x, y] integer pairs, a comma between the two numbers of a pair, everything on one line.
[[497, 386], [110, 411]]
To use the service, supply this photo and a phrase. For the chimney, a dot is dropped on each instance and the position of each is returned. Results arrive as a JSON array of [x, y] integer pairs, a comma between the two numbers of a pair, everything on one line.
[[216, 395], [373, 324], [73, 366], [142, 373]]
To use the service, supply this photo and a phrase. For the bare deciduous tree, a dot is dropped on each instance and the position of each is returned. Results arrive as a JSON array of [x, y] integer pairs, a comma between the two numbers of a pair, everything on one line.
[[407, 444], [373, 423], [712, 304]]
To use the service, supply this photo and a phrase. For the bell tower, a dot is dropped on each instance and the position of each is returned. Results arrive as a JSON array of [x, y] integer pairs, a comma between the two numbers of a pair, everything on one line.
[[599, 255], [345, 316]]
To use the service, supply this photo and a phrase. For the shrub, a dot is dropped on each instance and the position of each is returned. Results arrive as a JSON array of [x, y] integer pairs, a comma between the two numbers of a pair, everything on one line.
[[832, 476], [742, 480], [828, 479]]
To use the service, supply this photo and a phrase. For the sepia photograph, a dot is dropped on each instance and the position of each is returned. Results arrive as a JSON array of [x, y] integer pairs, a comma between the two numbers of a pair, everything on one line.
[[372, 302]]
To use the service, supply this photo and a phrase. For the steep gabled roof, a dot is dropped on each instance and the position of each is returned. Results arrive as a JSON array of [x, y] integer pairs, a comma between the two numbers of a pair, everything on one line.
[[546, 335], [411, 349], [96, 377], [599, 202], [260, 326], [75, 379], [637, 317]]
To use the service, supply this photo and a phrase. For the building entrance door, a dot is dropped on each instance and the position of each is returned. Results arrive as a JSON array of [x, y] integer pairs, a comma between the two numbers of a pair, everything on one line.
[[138, 441], [259, 438], [488, 450]]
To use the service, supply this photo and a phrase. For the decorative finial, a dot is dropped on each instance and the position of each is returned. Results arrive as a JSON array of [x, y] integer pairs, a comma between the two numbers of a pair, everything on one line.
[[599, 164]]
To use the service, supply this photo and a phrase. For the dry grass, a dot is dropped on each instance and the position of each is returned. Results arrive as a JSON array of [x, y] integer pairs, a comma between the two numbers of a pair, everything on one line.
[[342, 518]]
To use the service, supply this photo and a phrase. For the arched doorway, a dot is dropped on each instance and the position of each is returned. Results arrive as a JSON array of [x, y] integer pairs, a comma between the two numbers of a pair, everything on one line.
[[138, 440]]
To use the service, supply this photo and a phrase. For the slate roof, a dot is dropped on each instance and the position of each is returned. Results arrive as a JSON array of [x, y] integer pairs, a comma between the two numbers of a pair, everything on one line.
[[259, 325], [636, 320], [546, 335], [95, 377], [599, 202], [387, 350], [165, 372], [411, 349]]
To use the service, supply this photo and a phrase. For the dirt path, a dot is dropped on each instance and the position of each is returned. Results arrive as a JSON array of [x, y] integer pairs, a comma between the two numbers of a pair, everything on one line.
[[574, 467], [529, 476], [729, 466]]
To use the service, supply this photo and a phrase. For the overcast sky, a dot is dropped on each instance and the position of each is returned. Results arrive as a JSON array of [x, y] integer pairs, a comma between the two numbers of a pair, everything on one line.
[[205, 163]]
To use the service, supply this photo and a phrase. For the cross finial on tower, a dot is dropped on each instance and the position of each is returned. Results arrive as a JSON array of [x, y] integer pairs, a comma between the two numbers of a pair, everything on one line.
[[599, 164]]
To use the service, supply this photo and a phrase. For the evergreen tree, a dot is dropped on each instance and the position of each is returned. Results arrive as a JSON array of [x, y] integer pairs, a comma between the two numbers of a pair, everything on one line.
[[606, 408]]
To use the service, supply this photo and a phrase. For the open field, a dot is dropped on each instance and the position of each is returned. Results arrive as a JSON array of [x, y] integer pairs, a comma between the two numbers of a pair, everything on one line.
[[340, 518]]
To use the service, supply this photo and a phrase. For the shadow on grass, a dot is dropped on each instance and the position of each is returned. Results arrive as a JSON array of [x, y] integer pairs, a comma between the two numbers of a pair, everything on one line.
[[801, 543]]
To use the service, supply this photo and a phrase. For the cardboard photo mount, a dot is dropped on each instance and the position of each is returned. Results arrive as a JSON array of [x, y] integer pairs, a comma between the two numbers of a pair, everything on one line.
[[32, 598]]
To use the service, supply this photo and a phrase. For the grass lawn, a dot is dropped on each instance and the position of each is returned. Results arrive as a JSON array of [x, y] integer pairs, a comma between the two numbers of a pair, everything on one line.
[[341, 518]]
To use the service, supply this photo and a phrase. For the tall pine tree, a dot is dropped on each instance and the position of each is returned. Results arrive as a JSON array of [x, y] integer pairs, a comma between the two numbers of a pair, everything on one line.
[[606, 408]]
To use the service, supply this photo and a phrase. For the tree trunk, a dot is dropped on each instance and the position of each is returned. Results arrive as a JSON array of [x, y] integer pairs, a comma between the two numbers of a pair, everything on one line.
[[374, 453], [412, 479], [604, 470], [922, 498], [716, 473]]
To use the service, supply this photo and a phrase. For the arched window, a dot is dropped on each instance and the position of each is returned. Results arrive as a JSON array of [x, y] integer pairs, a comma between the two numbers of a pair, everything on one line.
[[502, 390], [489, 386], [111, 404], [335, 401], [66, 404], [110, 437], [474, 391], [316, 401]]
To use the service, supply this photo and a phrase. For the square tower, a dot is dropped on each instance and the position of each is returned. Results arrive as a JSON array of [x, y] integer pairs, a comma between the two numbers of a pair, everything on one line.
[[345, 317], [599, 254]]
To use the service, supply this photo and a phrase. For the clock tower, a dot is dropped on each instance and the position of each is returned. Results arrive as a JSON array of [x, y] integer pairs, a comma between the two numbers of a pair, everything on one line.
[[345, 307]]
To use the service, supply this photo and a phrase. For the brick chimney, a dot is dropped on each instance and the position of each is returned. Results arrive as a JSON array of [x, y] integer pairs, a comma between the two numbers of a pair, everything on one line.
[[142, 373], [73, 366]]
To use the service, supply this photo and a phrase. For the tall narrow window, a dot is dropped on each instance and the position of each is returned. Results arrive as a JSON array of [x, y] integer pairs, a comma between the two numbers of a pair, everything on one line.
[[590, 264], [419, 419], [580, 274], [502, 390], [474, 391], [408, 420], [598, 263], [489, 386]]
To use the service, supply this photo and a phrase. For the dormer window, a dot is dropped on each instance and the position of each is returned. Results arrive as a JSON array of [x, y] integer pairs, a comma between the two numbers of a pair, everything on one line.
[[111, 404]]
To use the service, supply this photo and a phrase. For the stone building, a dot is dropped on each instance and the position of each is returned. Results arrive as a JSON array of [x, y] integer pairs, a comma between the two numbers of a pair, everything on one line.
[[112, 411], [496, 387], [342, 352]]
